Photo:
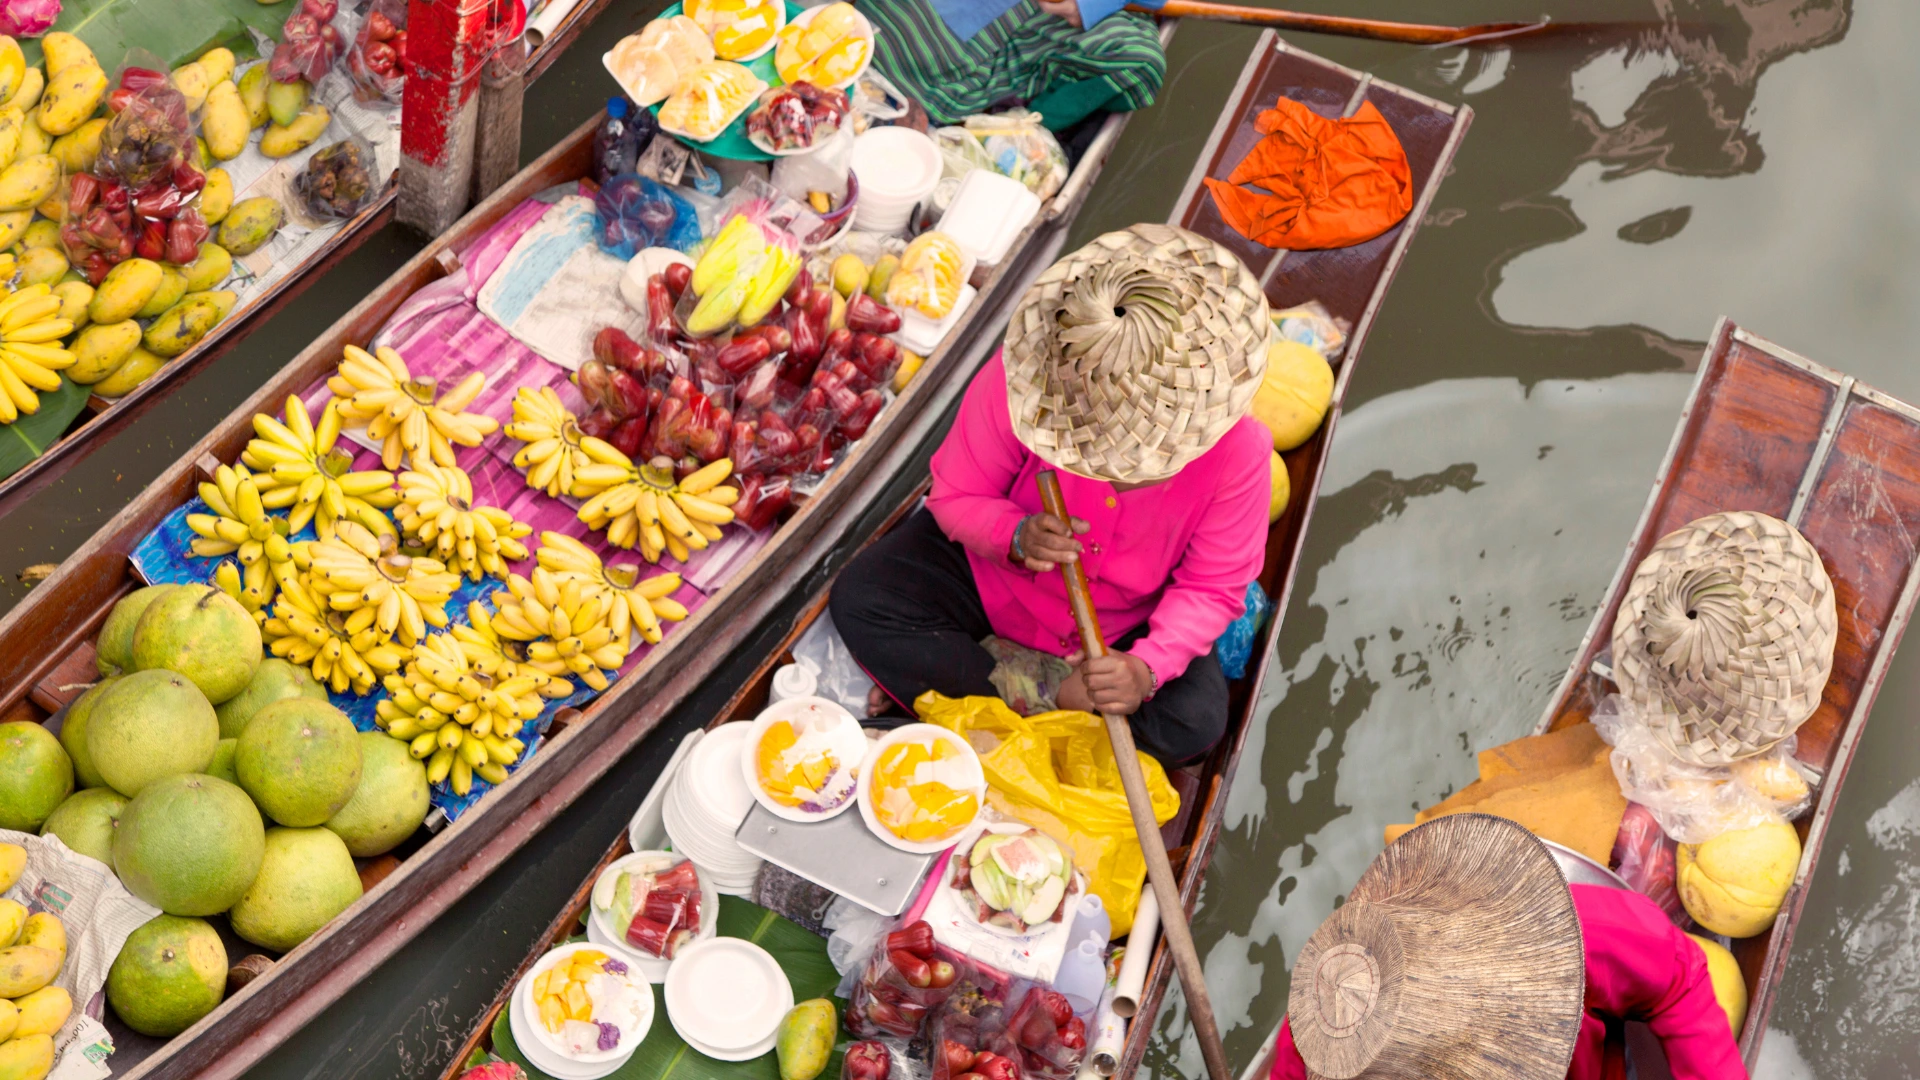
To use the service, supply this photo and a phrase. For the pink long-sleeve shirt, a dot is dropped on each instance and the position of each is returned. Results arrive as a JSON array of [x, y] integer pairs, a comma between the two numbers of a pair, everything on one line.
[[1639, 967], [1176, 555]]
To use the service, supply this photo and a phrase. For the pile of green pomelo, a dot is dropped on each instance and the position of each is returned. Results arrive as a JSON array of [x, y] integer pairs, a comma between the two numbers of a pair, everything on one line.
[[211, 780]]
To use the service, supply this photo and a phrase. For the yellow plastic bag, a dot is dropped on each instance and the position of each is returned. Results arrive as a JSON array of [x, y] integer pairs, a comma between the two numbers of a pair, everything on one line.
[[1056, 772]]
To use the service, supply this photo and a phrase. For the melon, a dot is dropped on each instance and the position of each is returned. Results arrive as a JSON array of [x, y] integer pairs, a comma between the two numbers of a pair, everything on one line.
[[1294, 393], [148, 726], [171, 972], [274, 680], [300, 760], [36, 775], [113, 649], [73, 733], [189, 845], [389, 804], [305, 880], [86, 822], [202, 633], [222, 763]]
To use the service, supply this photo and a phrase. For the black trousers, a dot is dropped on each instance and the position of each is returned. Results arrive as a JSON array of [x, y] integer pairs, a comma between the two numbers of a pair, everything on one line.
[[911, 616]]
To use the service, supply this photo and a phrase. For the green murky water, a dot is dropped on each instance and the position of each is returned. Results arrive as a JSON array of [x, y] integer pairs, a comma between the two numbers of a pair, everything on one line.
[[1623, 186]]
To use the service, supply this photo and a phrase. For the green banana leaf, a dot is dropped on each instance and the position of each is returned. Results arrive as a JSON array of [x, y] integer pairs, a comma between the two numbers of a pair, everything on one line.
[[174, 30], [800, 953], [29, 436]]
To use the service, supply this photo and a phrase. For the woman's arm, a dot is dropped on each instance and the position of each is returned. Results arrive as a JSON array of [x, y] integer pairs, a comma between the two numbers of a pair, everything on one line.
[[976, 466]]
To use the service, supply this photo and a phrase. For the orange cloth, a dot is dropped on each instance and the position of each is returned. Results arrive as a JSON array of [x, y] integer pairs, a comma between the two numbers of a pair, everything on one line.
[[1333, 182]]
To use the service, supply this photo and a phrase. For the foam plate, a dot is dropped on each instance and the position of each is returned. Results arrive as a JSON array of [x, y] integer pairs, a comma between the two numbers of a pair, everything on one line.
[[727, 994]]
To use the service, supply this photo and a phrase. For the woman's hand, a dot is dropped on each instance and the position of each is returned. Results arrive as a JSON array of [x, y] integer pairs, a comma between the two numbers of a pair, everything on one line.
[[1115, 683], [1046, 542], [1066, 9]]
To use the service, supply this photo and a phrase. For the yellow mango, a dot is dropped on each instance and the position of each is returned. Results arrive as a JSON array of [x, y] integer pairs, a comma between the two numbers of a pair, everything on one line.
[[251, 223], [13, 226], [219, 64], [9, 1019], [173, 286], [26, 968], [13, 917], [216, 198], [42, 1012], [253, 94], [54, 206], [13, 66], [225, 122], [210, 269], [45, 930], [31, 87], [138, 369], [42, 266], [13, 859], [285, 101], [285, 140], [223, 301], [202, 157], [42, 233], [77, 149], [33, 140], [193, 82], [72, 96], [11, 120], [27, 181], [63, 50], [182, 326], [27, 1058], [74, 298], [125, 290]]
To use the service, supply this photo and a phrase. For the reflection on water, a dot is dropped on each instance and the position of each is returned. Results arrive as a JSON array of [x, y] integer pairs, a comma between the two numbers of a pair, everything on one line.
[[1621, 188]]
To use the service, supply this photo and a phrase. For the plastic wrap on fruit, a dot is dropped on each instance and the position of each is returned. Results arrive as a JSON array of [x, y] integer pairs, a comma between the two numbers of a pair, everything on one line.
[[866, 1061], [1052, 1041], [338, 181], [184, 235], [761, 499], [866, 313], [147, 137], [635, 212], [855, 423], [376, 63], [875, 356], [309, 43]]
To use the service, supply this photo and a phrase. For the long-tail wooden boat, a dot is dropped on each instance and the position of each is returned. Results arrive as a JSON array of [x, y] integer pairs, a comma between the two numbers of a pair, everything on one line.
[[1351, 282], [1767, 430], [101, 417], [46, 643]]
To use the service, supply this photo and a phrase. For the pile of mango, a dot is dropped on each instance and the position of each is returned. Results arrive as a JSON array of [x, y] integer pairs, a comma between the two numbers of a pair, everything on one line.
[[33, 949], [53, 121]]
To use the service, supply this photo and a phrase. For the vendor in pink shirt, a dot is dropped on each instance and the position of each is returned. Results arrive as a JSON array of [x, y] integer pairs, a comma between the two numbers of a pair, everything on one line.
[[1462, 952], [1128, 368]]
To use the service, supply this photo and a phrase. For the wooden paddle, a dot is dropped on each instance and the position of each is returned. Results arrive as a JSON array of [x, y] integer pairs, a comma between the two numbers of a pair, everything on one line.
[[1378, 30], [1173, 913]]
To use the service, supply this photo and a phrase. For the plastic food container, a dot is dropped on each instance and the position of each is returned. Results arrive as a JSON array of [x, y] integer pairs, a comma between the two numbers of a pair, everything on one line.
[[546, 1051], [818, 720], [987, 213], [899, 168]]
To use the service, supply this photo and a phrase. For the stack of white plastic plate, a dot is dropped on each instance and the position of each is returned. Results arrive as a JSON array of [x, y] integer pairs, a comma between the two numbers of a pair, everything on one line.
[[726, 998], [708, 801]]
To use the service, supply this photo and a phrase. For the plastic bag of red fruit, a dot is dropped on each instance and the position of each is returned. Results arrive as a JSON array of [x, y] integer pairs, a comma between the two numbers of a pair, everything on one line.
[[309, 43], [1030, 1034], [909, 976], [377, 62]]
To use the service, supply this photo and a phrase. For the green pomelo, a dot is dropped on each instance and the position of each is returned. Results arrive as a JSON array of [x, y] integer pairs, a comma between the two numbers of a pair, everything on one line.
[[274, 680], [300, 760], [170, 973], [36, 775], [306, 879], [113, 650], [189, 845], [390, 802], [149, 725], [73, 733], [222, 763], [202, 633], [86, 822]]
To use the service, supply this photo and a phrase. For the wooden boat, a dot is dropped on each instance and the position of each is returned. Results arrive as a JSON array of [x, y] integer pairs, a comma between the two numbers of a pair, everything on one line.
[[1351, 282], [1764, 429], [101, 417], [46, 649]]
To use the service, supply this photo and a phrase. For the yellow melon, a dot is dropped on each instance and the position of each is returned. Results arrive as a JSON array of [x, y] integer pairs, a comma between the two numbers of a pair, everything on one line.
[[1294, 395]]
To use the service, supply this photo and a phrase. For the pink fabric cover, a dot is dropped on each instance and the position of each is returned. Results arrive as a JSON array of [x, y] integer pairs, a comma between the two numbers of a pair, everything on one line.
[[1639, 967], [1177, 555]]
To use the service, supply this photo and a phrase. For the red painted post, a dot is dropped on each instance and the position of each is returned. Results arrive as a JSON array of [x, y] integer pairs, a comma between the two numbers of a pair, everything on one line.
[[448, 41]]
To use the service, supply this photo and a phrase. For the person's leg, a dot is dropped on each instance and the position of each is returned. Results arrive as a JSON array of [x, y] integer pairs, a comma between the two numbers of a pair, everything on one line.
[[1182, 722], [911, 616]]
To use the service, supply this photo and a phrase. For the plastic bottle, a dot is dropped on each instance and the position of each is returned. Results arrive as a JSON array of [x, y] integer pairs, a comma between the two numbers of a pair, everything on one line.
[[617, 145], [1091, 921], [1082, 975]]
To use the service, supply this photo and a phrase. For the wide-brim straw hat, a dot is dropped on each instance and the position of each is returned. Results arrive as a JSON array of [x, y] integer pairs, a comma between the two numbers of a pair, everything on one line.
[[1725, 637], [1132, 356], [1457, 955]]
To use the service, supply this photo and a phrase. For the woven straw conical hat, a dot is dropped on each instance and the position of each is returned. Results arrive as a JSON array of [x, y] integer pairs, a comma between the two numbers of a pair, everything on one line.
[[1132, 356], [1457, 955], [1725, 638]]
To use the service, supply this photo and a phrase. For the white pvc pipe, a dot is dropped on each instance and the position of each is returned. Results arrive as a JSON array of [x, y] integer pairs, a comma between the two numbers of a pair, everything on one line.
[[1141, 939]]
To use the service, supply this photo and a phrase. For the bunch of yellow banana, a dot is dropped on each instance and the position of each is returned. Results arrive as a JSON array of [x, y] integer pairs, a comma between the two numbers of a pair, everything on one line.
[[637, 602], [566, 626], [365, 577], [556, 447], [298, 468], [304, 632], [501, 658], [645, 506], [458, 720], [31, 358], [401, 412], [437, 512], [241, 526]]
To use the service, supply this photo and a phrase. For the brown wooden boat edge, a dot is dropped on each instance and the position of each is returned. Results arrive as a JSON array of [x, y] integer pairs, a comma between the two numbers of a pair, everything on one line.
[[79, 444]]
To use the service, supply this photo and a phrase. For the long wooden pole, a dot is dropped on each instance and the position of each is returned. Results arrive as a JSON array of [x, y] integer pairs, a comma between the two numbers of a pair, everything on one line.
[[1173, 913], [1376, 29]]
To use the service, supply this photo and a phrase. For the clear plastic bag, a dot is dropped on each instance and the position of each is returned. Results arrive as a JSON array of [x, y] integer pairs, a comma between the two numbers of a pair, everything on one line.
[[339, 181], [1692, 803], [836, 676], [377, 62], [152, 132], [852, 932], [634, 213], [960, 152], [309, 43], [909, 975], [1644, 857], [1019, 146], [1312, 325]]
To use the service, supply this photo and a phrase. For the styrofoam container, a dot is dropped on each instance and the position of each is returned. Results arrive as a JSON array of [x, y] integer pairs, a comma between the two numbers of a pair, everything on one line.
[[899, 168], [920, 733], [602, 933], [987, 213], [923, 335], [848, 742], [601, 1063]]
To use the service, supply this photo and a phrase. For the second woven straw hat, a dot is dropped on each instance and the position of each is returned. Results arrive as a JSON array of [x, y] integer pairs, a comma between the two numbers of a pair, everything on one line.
[[1457, 954], [1132, 356], [1725, 637]]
